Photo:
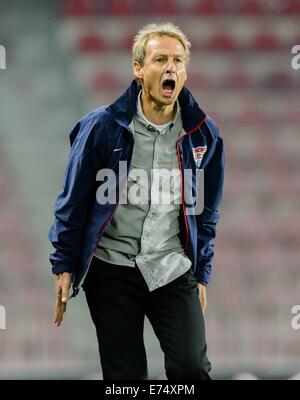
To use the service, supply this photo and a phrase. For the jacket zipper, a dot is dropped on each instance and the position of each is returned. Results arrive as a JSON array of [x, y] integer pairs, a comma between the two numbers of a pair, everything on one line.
[[180, 156]]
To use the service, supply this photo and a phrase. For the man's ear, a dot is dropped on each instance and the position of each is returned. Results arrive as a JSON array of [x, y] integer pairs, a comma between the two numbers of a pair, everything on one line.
[[138, 70]]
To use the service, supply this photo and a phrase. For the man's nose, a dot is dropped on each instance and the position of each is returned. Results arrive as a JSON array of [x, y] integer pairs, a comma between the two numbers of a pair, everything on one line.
[[170, 68]]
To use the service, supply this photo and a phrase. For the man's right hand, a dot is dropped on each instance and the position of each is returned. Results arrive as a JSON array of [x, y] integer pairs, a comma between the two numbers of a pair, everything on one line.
[[62, 286]]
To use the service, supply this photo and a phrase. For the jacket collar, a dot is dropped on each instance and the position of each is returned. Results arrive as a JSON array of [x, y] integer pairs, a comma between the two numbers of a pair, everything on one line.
[[124, 107]]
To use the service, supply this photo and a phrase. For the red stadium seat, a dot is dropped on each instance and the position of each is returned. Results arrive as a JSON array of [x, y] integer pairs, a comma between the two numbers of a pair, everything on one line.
[[291, 7], [77, 8], [266, 42], [237, 79], [197, 81], [251, 116], [279, 80], [163, 7], [106, 80], [90, 44], [122, 7], [221, 42], [252, 7], [210, 7], [293, 117]]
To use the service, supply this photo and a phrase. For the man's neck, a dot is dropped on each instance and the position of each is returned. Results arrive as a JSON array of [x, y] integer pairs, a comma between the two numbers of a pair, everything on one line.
[[158, 115]]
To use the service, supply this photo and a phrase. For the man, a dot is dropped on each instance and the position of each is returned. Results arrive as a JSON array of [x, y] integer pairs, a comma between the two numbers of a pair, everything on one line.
[[142, 258]]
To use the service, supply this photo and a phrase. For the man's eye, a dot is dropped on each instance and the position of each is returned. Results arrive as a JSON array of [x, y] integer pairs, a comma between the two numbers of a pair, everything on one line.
[[159, 59], [179, 60]]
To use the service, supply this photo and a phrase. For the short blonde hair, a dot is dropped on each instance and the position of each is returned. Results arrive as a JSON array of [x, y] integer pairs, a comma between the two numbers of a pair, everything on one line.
[[151, 30]]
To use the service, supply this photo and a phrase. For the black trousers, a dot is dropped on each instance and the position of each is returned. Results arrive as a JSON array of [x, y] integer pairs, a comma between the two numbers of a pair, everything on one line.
[[118, 300]]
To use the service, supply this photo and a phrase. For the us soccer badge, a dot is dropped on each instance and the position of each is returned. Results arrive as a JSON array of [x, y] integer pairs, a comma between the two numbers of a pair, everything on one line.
[[198, 153]]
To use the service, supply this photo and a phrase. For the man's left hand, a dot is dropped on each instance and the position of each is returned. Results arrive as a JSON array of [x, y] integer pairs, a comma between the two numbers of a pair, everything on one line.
[[202, 296]]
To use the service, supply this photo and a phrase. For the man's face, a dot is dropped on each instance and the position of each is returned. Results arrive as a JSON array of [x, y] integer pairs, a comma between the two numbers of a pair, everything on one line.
[[164, 71]]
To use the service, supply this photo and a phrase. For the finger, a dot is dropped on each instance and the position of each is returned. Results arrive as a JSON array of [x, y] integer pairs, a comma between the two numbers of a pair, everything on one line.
[[64, 295], [61, 294], [58, 289], [57, 321], [60, 308], [58, 295], [57, 304], [204, 304], [65, 289], [58, 316], [58, 311]]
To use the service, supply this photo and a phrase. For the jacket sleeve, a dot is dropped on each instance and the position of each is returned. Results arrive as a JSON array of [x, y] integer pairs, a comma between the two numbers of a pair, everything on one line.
[[207, 221], [71, 208]]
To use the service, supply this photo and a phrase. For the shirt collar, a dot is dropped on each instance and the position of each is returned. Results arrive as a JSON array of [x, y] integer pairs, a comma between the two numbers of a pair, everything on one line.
[[149, 125]]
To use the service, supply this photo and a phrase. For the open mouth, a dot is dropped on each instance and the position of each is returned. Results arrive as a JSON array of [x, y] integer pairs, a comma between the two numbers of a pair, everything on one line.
[[168, 86]]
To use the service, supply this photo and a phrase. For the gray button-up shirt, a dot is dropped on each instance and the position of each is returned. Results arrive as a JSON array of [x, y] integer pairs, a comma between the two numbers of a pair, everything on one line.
[[144, 231]]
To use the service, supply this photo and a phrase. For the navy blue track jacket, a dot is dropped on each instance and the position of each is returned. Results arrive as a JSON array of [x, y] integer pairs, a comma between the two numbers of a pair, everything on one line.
[[80, 220]]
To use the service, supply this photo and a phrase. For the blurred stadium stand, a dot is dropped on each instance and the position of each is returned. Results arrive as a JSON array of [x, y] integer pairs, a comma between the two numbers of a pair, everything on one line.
[[68, 57]]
